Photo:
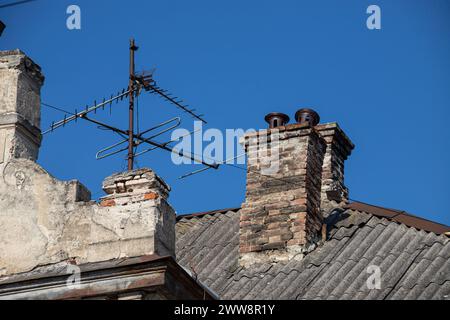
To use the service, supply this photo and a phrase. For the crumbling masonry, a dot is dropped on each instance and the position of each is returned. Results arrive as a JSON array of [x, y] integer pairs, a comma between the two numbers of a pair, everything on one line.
[[45, 221]]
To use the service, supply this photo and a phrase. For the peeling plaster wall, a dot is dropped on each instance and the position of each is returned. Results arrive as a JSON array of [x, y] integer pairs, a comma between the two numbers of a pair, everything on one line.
[[45, 221]]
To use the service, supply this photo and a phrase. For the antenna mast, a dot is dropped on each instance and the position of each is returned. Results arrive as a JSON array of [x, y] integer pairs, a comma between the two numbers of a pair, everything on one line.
[[137, 82], [133, 48]]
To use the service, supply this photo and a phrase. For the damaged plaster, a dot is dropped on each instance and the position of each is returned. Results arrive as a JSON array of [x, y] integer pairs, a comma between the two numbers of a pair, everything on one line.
[[45, 221]]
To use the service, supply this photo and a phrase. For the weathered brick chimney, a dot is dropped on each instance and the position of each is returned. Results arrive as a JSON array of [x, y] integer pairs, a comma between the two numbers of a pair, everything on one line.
[[20, 85], [339, 148], [145, 194], [282, 216]]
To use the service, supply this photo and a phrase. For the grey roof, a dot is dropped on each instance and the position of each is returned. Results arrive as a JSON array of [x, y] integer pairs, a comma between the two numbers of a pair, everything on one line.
[[414, 264]]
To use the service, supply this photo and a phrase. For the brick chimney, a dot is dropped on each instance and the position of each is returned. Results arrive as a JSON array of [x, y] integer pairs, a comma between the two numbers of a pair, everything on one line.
[[282, 216], [143, 192], [339, 148], [20, 85]]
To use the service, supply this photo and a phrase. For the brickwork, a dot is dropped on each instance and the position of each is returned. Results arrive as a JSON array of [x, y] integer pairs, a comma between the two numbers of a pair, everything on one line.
[[339, 147], [143, 190], [132, 187], [281, 213]]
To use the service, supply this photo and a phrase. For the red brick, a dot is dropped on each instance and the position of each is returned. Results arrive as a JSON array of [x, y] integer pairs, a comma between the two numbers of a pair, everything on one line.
[[297, 228], [150, 196], [299, 202], [245, 224], [108, 203], [249, 248]]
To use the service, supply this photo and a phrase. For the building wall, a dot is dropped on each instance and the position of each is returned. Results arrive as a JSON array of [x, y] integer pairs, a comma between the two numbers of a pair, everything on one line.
[[45, 221]]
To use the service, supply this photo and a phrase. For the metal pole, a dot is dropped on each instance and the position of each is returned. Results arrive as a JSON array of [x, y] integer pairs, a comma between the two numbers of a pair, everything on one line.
[[133, 48]]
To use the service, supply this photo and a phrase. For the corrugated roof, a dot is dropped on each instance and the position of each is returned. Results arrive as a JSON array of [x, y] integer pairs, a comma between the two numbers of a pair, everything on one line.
[[400, 216], [204, 213], [414, 264]]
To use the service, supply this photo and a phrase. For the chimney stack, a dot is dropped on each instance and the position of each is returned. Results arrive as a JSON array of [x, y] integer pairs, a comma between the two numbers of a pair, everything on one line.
[[339, 148], [20, 85], [282, 216], [142, 191]]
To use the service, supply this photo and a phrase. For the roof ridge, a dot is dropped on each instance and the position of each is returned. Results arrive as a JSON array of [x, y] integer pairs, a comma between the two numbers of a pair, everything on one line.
[[392, 219], [435, 227], [400, 212], [204, 213]]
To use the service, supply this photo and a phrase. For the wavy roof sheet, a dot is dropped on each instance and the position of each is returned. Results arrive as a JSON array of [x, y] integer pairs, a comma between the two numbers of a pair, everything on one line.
[[414, 264]]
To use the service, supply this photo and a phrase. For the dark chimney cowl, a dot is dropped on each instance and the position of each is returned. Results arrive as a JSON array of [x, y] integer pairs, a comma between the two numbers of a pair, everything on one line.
[[276, 119], [307, 115]]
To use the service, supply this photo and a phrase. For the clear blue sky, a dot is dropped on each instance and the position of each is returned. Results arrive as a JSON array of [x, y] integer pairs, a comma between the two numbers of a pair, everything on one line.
[[235, 61]]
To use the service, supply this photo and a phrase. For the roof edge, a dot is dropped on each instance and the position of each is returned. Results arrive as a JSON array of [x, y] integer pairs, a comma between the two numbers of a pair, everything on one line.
[[400, 216], [204, 213]]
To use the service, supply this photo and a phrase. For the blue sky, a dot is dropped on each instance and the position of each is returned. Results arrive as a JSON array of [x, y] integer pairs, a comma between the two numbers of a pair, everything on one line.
[[235, 61]]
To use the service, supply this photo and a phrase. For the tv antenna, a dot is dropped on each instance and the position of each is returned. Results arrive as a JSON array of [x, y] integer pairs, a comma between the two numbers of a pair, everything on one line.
[[132, 139]]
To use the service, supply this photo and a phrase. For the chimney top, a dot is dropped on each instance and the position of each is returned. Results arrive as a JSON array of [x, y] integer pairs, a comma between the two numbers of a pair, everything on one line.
[[307, 115], [135, 183], [276, 119], [18, 60]]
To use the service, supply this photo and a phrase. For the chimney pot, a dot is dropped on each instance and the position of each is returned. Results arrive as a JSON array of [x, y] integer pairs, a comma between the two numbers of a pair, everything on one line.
[[307, 115], [276, 119]]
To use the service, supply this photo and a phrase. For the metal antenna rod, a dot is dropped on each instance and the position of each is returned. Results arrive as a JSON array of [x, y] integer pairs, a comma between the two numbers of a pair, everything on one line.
[[133, 48], [163, 93], [76, 115], [153, 143]]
